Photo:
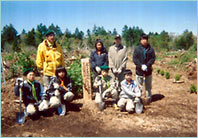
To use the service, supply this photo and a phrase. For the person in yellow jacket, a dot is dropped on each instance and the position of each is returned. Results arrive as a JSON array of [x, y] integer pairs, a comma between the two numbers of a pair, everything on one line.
[[49, 56]]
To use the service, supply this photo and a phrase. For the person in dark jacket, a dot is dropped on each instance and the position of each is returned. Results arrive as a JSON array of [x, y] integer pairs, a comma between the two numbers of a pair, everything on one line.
[[34, 98], [144, 58], [60, 90], [98, 57]]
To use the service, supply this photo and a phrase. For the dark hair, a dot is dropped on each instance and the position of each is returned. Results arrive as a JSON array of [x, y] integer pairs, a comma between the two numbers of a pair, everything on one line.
[[144, 36], [99, 41], [59, 69], [127, 71]]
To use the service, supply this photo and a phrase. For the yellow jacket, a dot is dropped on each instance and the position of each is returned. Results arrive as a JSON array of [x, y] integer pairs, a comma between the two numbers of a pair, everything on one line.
[[49, 57]]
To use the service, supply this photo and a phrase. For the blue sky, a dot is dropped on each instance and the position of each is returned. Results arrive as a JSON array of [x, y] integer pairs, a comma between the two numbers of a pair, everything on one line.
[[153, 16]]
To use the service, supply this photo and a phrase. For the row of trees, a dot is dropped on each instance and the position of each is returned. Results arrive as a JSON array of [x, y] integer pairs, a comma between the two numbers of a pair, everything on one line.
[[78, 39]]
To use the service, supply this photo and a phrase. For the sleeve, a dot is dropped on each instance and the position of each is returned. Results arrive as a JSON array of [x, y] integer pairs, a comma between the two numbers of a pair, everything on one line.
[[26, 99], [112, 86], [43, 94], [62, 56], [16, 90], [39, 57], [69, 85], [126, 90], [96, 82], [137, 91], [111, 65], [152, 59], [136, 59], [92, 60], [124, 61], [106, 59], [50, 87]]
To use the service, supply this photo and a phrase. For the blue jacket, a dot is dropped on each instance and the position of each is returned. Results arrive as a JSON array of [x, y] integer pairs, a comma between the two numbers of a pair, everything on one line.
[[27, 95], [97, 60]]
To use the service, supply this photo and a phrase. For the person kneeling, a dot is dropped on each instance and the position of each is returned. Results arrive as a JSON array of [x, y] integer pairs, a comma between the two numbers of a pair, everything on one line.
[[33, 95], [106, 87], [60, 91], [130, 96]]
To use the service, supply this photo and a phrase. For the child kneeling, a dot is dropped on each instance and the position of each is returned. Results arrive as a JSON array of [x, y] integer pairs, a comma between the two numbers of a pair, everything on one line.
[[32, 92], [106, 87], [130, 95], [60, 91]]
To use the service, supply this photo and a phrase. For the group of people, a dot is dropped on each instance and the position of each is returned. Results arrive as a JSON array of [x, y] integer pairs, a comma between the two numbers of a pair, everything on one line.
[[56, 90], [111, 78]]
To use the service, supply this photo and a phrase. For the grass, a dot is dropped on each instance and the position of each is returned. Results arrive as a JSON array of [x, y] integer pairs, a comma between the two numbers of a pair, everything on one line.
[[177, 77], [162, 72], [9, 57], [193, 88], [167, 75]]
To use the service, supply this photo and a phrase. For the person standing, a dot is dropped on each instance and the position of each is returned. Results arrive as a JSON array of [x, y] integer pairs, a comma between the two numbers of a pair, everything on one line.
[[117, 57], [49, 56], [144, 58], [98, 57]]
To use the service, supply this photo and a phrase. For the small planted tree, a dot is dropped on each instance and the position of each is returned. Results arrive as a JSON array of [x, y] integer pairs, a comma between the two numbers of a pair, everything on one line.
[[167, 75], [193, 88], [177, 77], [74, 72], [158, 71], [162, 72]]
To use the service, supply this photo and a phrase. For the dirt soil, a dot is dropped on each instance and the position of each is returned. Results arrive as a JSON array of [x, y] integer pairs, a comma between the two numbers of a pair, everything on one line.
[[173, 113]]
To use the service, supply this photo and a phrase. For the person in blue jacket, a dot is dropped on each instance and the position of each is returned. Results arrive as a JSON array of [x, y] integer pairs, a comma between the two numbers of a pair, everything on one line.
[[33, 95], [98, 57]]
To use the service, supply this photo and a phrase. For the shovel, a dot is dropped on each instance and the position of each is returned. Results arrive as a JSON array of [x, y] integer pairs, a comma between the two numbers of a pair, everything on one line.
[[139, 107], [102, 103], [20, 116]]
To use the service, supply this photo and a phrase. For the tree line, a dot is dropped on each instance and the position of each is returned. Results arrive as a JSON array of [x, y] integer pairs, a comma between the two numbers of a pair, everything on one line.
[[14, 41]]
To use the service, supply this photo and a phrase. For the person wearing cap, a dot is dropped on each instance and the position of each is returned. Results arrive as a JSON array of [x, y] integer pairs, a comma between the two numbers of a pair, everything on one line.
[[130, 93], [98, 57], [107, 85], [49, 56], [34, 98], [144, 58], [117, 57]]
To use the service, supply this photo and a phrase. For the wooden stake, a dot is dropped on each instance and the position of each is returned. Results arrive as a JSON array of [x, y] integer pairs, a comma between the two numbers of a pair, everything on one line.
[[86, 75]]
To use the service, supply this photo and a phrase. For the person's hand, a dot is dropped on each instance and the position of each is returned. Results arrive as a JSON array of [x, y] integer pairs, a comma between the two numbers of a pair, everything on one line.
[[41, 72], [144, 67], [138, 94], [98, 69], [57, 93], [115, 70], [43, 105], [119, 70], [99, 83], [19, 81], [56, 86]]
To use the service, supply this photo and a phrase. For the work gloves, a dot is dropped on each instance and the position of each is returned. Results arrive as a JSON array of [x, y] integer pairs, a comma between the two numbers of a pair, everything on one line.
[[117, 71], [54, 102], [43, 105], [30, 109], [19, 81], [144, 67], [98, 69]]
